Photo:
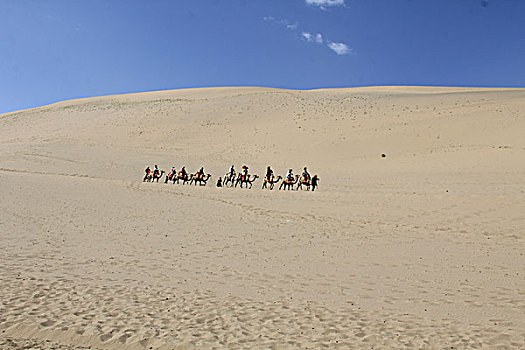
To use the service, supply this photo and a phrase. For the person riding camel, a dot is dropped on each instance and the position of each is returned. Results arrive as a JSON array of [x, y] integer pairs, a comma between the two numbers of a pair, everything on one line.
[[156, 170], [232, 171], [200, 174], [269, 174], [244, 172], [183, 173], [289, 176], [306, 176], [172, 173], [147, 171]]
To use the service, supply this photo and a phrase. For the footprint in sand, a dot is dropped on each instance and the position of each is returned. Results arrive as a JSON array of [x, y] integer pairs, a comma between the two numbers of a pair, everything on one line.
[[106, 337], [47, 323]]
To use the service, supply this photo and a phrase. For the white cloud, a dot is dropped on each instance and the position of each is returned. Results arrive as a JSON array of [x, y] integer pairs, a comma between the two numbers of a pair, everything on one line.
[[307, 36], [283, 22], [340, 48], [317, 38], [324, 3], [313, 38]]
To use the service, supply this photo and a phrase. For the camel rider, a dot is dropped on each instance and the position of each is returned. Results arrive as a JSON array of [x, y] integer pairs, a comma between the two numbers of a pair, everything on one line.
[[306, 176], [200, 174], [269, 173], [289, 176], [156, 170], [183, 172], [172, 172], [232, 171], [245, 172], [148, 171]]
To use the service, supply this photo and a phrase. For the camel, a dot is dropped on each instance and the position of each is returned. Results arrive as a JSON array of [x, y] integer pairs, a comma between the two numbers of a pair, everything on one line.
[[271, 181], [248, 180], [288, 184], [304, 182], [151, 176], [201, 180], [185, 178], [173, 178], [229, 178]]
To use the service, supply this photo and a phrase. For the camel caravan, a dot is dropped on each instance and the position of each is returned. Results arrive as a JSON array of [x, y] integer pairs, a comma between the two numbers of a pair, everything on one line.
[[243, 179]]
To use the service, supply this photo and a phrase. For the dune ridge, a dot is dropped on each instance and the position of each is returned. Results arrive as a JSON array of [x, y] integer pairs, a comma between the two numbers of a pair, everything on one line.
[[422, 248]]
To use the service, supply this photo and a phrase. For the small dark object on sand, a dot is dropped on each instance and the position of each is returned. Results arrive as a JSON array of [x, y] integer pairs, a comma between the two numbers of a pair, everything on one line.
[[383, 155]]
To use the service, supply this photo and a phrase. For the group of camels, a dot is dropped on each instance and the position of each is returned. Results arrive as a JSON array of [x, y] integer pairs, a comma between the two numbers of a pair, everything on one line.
[[231, 180], [175, 177]]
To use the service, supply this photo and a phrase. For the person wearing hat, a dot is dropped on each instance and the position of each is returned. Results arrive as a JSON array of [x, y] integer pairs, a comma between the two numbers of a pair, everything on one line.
[[200, 174], [306, 176], [269, 173], [183, 173], [170, 175], [289, 175]]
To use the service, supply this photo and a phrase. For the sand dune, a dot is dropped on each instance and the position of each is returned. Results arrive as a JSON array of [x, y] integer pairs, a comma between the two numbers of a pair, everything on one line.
[[422, 248]]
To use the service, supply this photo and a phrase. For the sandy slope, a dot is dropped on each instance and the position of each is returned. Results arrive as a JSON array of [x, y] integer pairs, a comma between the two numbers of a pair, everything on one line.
[[423, 248]]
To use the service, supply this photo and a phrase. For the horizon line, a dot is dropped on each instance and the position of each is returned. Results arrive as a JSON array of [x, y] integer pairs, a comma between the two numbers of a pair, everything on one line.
[[256, 86]]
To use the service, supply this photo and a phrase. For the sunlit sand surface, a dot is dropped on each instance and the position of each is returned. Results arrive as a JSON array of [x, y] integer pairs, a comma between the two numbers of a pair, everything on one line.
[[421, 248]]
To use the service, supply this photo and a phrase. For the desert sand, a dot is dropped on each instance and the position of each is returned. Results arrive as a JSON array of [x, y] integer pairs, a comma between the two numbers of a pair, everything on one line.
[[422, 248]]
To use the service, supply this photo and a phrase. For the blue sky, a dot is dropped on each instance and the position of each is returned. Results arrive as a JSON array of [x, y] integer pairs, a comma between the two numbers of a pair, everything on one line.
[[52, 50]]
